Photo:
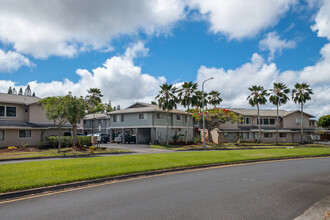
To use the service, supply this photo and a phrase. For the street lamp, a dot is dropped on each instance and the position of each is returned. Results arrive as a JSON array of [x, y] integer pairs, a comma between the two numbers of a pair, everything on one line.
[[204, 145]]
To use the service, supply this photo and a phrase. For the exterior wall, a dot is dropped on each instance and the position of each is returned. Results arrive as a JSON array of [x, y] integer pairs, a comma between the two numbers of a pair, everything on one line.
[[12, 139], [92, 126], [37, 114], [160, 134], [132, 120], [229, 125], [21, 115], [290, 121]]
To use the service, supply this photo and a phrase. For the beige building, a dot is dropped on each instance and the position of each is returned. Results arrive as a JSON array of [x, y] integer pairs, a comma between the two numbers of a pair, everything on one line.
[[247, 128], [23, 121]]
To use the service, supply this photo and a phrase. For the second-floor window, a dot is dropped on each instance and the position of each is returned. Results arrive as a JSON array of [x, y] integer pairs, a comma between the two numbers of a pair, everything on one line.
[[141, 116], [245, 121], [178, 117], [299, 121], [114, 118], [100, 121], [8, 111], [122, 118], [159, 116], [266, 121]]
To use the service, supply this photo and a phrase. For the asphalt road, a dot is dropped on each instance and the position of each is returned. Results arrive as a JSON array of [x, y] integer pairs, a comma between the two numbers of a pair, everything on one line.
[[275, 190]]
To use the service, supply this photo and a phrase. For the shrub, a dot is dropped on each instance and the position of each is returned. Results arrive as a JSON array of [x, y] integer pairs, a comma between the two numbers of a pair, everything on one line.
[[85, 140], [197, 139], [67, 141]]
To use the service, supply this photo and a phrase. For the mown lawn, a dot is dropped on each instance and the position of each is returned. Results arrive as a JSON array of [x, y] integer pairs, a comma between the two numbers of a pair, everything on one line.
[[53, 153], [45, 173]]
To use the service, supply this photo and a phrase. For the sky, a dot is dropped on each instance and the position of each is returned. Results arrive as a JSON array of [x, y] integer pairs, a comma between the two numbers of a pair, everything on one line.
[[128, 48]]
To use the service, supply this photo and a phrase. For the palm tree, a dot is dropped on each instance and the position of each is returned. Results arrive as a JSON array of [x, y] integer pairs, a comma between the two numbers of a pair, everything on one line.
[[167, 101], [199, 99], [300, 94], [214, 98], [187, 96], [278, 96], [257, 98]]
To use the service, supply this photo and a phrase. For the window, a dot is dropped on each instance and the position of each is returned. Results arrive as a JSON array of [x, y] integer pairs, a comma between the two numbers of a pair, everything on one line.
[[2, 135], [10, 111], [298, 121], [272, 121], [176, 133], [186, 118], [85, 122], [122, 118], [245, 121], [159, 116], [114, 119], [268, 135], [141, 115], [178, 117], [266, 121], [24, 134], [100, 121], [2, 110], [229, 135], [282, 135]]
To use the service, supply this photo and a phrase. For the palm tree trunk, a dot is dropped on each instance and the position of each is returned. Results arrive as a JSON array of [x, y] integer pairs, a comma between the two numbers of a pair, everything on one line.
[[167, 128], [301, 125], [259, 134], [187, 126], [277, 124], [59, 140]]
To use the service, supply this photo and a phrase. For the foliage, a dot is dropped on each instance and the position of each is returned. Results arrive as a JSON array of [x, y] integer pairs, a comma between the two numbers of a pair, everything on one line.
[[324, 122], [199, 102], [93, 101], [214, 98], [197, 139], [14, 91], [27, 91], [10, 91], [67, 141], [108, 107], [20, 91], [12, 148], [24, 145]]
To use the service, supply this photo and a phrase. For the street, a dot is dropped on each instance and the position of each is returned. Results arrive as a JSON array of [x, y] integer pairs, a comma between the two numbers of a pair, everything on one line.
[[274, 190]]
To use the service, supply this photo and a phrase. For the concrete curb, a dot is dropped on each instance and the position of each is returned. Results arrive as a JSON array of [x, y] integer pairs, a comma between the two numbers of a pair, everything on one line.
[[64, 157], [15, 194], [317, 211]]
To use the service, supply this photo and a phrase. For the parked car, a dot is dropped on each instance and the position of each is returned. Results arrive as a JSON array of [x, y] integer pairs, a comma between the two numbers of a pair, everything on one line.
[[128, 138], [118, 138], [71, 134], [104, 138]]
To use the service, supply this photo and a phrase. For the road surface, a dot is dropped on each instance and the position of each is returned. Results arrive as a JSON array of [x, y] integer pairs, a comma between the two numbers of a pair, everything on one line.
[[275, 190]]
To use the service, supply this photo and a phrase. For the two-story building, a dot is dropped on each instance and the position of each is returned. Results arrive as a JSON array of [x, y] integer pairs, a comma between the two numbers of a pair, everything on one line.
[[23, 121], [148, 123], [247, 128], [96, 123]]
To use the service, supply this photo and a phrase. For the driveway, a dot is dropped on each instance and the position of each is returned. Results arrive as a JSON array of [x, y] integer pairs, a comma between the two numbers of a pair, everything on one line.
[[137, 148]]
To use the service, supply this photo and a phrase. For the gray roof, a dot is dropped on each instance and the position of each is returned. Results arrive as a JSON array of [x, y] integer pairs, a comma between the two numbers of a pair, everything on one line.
[[265, 112], [18, 99], [144, 107], [96, 116], [14, 124]]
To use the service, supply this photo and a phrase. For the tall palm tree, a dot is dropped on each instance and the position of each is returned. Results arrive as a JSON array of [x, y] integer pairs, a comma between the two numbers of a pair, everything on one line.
[[187, 96], [257, 98], [214, 98], [199, 100], [300, 94], [167, 100], [277, 97]]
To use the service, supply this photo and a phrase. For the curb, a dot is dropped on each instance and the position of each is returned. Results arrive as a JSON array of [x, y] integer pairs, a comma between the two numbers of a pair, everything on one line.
[[64, 157], [15, 194]]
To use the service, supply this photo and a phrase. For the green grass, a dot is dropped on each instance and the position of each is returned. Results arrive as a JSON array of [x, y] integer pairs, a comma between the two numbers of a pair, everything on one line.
[[53, 153], [45, 173]]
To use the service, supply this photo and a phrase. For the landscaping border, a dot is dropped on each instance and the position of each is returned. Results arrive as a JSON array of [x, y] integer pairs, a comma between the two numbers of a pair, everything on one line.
[[49, 189]]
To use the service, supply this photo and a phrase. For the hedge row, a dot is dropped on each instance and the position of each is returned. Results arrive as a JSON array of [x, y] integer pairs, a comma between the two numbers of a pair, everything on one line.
[[67, 141]]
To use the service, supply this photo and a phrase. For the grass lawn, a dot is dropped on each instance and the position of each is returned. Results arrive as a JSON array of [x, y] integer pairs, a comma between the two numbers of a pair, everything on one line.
[[52, 153], [45, 173], [234, 146]]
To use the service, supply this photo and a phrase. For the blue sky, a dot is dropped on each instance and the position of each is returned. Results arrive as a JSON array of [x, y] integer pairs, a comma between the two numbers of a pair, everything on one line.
[[241, 43]]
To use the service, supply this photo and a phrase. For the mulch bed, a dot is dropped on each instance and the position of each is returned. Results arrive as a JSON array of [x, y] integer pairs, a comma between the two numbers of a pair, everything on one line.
[[25, 149]]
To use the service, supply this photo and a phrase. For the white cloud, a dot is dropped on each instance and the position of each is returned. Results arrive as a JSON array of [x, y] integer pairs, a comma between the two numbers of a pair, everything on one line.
[[64, 27], [11, 61], [119, 80], [274, 44], [234, 84], [322, 20], [238, 19]]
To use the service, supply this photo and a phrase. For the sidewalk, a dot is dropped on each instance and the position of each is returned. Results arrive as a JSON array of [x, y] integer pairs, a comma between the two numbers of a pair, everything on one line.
[[318, 211]]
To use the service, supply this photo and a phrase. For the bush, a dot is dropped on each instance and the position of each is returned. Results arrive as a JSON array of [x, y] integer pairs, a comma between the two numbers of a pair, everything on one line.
[[67, 141], [197, 139]]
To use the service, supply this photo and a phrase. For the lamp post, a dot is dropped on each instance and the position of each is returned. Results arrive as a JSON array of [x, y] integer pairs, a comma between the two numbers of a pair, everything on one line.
[[204, 145]]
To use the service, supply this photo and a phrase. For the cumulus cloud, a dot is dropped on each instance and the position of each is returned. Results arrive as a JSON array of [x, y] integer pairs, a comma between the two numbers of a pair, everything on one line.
[[64, 27], [234, 84], [322, 20], [274, 44], [11, 61], [238, 19], [119, 80]]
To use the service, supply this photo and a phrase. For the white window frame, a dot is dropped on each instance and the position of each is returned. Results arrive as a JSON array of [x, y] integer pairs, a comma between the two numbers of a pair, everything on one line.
[[122, 118], [244, 121], [160, 116], [144, 116], [15, 112], [4, 135], [25, 133]]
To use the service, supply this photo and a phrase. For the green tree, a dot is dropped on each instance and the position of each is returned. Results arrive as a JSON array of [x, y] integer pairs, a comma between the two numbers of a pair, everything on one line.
[[27, 91], [55, 111], [214, 98], [153, 103], [278, 96], [10, 91], [14, 91], [20, 91], [108, 107], [93, 101], [324, 122], [167, 100], [75, 111], [301, 94], [257, 98], [34, 95], [199, 99], [187, 98]]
